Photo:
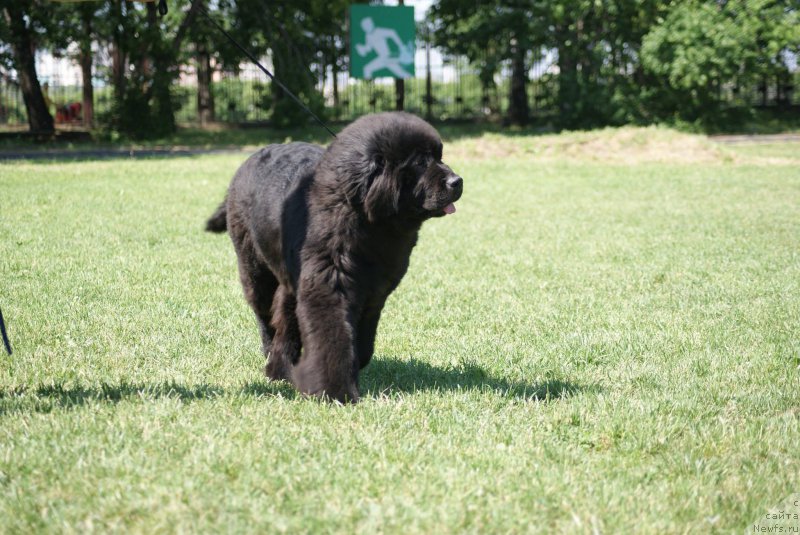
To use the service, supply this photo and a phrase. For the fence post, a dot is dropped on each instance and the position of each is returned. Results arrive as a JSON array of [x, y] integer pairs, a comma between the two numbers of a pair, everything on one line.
[[399, 87], [428, 81]]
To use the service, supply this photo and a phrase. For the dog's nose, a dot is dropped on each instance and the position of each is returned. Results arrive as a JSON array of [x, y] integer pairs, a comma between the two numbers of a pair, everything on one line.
[[455, 182]]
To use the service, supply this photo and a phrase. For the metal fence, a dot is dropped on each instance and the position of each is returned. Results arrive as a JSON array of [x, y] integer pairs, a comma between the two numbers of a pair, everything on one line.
[[243, 97], [455, 93]]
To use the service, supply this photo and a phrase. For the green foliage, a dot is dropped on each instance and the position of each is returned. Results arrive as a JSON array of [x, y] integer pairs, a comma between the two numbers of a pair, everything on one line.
[[286, 113], [686, 62], [693, 52], [302, 39], [149, 49], [632, 62], [138, 117], [701, 48], [491, 34]]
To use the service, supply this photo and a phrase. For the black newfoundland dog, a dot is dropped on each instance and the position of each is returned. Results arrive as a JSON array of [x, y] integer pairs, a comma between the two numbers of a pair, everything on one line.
[[324, 236]]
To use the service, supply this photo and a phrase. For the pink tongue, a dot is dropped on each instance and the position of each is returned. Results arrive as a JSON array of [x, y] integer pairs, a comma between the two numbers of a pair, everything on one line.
[[450, 209]]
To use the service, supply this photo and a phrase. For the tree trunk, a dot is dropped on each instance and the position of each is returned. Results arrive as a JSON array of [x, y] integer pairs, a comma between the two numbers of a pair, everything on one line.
[[518, 109], [118, 55], [39, 118], [158, 96], [86, 71], [428, 82], [205, 98], [87, 105], [399, 94], [335, 75], [281, 67], [568, 87]]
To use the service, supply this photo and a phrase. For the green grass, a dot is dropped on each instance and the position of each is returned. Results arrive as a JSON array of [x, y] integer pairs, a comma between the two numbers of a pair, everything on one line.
[[585, 345], [782, 151]]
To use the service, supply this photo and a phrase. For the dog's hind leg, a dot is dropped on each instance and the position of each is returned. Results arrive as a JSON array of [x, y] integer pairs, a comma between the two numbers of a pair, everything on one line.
[[259, 285], [286, 340], [365, 335], [262, 286]]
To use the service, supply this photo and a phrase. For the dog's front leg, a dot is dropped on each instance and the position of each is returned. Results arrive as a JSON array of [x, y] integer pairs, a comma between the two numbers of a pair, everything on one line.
[[326, 366]]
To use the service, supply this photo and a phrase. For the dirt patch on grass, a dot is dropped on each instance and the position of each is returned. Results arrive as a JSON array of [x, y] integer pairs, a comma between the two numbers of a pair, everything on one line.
[[628, 145]]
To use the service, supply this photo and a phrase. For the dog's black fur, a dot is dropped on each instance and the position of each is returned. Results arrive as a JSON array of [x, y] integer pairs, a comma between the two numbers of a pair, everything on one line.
[[324, 236]]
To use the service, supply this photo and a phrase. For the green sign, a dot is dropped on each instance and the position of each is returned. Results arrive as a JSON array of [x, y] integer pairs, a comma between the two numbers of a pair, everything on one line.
[[382, 41]]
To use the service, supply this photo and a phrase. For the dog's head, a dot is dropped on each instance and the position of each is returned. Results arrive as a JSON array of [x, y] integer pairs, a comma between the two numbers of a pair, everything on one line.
[[394, 161]]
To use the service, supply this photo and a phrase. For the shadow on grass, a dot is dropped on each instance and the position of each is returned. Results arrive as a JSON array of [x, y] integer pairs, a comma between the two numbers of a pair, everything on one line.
[[383, 375], [47, 398], [386, 375]]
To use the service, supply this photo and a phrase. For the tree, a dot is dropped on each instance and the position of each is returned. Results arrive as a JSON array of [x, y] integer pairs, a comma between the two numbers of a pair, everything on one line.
[[75, 24], [775, 30], [701, 47], [693, 52], [490, 33], [300, 39], [595, 46], [330, 38], [86, 13], [145, 50], [20, 34], [598, 46], [199, 51]]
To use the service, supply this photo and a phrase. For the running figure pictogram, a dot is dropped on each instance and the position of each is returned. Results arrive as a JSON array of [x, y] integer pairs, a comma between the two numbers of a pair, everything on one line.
[[377, 40]]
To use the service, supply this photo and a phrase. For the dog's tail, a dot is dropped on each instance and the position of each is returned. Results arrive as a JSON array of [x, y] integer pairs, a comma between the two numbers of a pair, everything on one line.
[[218, 221]]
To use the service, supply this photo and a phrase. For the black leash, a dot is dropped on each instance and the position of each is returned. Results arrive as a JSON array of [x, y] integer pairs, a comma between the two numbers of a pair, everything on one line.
[[269, 74], [4, 333]]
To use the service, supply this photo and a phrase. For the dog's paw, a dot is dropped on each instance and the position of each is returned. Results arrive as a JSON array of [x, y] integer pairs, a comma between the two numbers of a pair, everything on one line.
[[277, 370], [341, 399], [312, 383]]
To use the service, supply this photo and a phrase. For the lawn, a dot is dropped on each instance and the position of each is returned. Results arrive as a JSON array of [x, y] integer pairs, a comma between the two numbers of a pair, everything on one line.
[[603, 338]]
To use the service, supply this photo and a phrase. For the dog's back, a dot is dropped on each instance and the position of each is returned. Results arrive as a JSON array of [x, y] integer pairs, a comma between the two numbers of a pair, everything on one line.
[[264, 180], [265, 210]]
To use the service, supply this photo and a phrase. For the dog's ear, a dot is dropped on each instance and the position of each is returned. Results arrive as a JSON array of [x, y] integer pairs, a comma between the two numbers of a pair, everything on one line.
[[360, 172], [383, 193]]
